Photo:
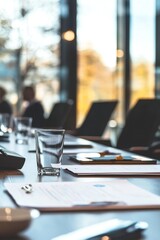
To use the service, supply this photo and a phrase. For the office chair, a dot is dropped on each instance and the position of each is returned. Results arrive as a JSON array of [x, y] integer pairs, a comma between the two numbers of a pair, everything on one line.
[[59, 115], [140, 126], [96, 119]]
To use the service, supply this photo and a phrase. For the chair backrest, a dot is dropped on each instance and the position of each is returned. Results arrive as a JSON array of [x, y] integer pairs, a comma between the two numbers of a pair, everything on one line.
[[97, 118], [59, 114], [141, 124]]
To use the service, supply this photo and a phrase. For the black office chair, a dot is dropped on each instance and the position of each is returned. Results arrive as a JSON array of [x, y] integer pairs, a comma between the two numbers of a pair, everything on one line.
[[96, 119], [59, 115], [140, 126]]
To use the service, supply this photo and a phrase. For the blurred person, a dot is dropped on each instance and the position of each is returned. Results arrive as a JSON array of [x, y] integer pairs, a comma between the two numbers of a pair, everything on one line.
[[5, 106], [34, 108]]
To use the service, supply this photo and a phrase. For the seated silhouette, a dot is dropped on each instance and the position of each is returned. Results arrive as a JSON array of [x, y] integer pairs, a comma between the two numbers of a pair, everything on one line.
[[5, 106], [34, 109]]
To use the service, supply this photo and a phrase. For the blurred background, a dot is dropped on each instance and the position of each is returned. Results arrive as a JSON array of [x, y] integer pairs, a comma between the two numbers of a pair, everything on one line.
[[84, 50]]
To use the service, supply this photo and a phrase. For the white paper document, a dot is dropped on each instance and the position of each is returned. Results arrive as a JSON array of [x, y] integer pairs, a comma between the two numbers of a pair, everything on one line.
[[107, 170], [71, 196], [73, 151]]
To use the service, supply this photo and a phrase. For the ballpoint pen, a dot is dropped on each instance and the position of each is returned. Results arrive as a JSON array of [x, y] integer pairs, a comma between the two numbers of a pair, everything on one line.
[[100, 203], [114, 229]]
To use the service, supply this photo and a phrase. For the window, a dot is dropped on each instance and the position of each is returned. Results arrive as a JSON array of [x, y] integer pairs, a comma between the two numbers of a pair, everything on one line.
[[96, 39], [30, 40], [142, 50]]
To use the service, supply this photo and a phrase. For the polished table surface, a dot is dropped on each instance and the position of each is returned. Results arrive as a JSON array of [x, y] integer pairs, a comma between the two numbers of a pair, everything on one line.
[[50, 225]]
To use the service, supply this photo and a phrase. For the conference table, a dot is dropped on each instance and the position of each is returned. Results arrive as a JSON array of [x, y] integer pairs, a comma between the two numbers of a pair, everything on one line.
[[52, 224]]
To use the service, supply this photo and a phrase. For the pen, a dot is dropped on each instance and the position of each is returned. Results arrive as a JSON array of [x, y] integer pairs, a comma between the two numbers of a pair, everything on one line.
[[101, 203], [131, 231], [114, 229], [114, 157]]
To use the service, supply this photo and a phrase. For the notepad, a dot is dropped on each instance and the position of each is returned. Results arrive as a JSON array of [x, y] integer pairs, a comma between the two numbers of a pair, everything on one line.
[[78, 196], [112, 169]]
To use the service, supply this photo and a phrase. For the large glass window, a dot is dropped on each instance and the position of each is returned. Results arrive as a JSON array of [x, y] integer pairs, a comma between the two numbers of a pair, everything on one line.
[[96, 37], [116, 53], [142, 43]]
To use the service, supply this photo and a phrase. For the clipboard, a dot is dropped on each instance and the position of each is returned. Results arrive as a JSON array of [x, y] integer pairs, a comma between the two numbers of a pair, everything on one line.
[[93, 158]]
